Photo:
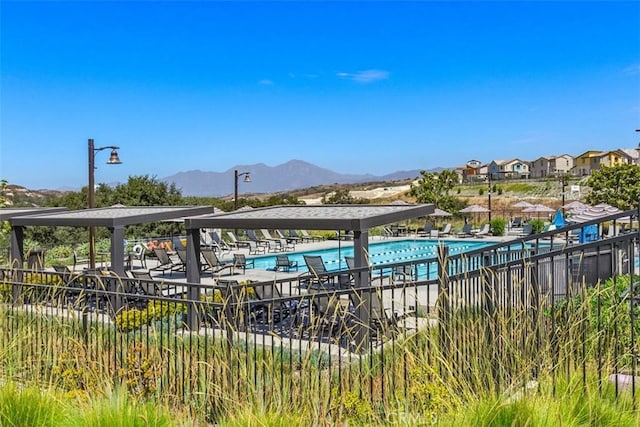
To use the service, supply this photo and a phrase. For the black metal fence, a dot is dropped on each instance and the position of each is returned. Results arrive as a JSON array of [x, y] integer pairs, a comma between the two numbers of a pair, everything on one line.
[[490, 319]]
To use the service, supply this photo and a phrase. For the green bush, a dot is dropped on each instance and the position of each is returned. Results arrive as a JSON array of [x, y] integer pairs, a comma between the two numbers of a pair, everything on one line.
[[537, 225], [498, 226]]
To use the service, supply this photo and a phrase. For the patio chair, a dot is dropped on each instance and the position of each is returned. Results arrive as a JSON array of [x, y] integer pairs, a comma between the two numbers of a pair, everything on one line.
[[302, 238], [517, 222], [283, 263], [290, 239], [274, 246], [403, 273], [213, 264], [165, 263], [254, 249], [252, 237], [139, 253], [78, 261], [277, 310], [35, 259], [237, 242], [220, 244], [526, 230], [328, 310], [317, 274], [484, 231], [240, 261], [446, 230], [383, 321], [426, 230], [466, 231], [305, 234]]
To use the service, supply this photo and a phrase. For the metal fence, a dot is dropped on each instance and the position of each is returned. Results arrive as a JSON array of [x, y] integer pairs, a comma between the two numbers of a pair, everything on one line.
[[489, 319]]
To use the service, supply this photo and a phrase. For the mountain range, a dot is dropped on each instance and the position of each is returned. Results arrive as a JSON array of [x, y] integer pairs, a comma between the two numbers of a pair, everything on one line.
[[292, 175]]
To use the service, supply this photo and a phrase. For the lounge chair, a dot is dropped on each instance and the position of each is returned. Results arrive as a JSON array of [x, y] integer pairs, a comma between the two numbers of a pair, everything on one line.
[[138, 253], [290, 239], [165, 263], [240, 261], [302, 238], [213, 264], [484, 231], [221, 245], [283, 263], [426, 230], [267, 235], [260, 242], [317, 274], [306, 235], [526, 230], [268, 299], [383, 321], [147, 286], [274, 246], [446, 230], [517, 222], [403, 273], [254, 249], [237, 242], [466, 231], [327, 310]]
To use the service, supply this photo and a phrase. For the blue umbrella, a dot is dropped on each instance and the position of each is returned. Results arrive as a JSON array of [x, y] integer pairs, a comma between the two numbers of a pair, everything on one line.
[[558, 219]]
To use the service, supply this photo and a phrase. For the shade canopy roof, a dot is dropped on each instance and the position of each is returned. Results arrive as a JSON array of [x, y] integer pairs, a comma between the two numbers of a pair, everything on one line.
[[538, 208], [594, 212], [314, 217], [474, 209], [439, 212], [8, 213], [522, 204], [110, 217]]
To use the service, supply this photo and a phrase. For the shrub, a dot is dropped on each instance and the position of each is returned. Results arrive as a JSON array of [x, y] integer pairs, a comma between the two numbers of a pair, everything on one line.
[[498, 226], [537, 225]]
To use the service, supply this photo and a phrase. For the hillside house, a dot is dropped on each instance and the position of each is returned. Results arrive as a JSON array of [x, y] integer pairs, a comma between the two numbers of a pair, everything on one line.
[[552, 166]]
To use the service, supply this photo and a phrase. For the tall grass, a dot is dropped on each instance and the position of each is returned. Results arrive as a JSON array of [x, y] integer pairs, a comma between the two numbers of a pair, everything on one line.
[[473, 368]]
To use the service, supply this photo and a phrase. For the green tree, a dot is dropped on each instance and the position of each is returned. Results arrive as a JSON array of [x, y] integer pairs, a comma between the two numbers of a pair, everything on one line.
[[342, 197], [434, 187], [618, 186]]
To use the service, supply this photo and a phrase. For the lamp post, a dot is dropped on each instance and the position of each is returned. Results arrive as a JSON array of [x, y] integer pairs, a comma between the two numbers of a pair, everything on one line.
[[563, 180], [113, 160], [247, 178], [489, 195]]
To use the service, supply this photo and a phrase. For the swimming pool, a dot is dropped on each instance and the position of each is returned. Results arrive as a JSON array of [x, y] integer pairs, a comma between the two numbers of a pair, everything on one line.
[[379, 253]]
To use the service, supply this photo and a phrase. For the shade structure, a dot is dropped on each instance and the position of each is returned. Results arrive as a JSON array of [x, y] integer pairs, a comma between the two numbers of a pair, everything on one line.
[[558, 219], [522, 204], [474, 209], [575, 205], [399, 203], [538, 209], [439, 212], [594, 212]]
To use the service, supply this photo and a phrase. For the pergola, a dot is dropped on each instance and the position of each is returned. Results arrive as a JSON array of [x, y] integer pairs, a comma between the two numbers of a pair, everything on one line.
[[356, 218], [113, 218]]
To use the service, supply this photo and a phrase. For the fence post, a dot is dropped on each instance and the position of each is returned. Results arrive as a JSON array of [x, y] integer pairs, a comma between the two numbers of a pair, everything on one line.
[[443, 305], [489, 306]]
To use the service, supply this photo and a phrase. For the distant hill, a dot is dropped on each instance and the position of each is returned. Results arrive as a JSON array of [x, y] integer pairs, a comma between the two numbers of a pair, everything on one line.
[[292, 175]]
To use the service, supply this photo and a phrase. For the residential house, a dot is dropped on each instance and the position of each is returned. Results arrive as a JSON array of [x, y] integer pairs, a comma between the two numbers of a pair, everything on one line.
[[504, 169], [471, 171], [592, 160], [551, 166]]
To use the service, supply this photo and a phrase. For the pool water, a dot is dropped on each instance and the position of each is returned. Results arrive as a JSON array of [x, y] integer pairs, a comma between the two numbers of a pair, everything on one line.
[[379, 253]]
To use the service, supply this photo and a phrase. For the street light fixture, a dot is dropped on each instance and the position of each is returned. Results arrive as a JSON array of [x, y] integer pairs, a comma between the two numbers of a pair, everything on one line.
[[489, 195], [113, 160], [247, 178]]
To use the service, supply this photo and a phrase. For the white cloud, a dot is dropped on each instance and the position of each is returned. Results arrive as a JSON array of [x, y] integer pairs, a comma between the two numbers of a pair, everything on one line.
[[266, 82], [366, 76]]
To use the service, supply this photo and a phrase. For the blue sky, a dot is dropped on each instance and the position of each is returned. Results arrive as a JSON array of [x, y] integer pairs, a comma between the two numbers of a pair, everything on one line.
[[356, 87]]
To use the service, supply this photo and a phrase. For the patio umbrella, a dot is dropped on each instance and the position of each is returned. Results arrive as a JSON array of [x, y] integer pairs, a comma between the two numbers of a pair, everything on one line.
[[538, 209], [575, 205], [474, 209], [439, 212], [594, 212], [558, 219], [522, 205]]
